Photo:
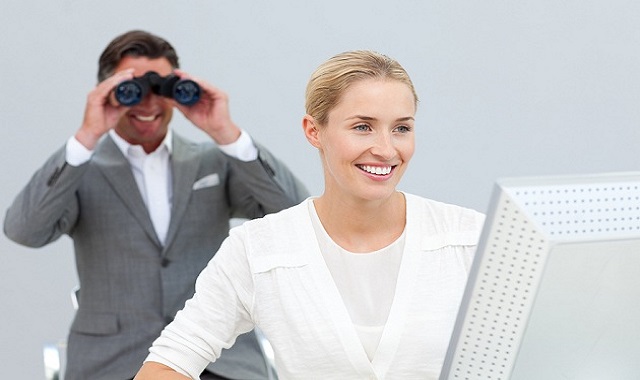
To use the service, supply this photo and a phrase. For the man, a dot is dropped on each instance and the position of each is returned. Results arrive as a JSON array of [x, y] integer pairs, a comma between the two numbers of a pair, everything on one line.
[[146, 210]]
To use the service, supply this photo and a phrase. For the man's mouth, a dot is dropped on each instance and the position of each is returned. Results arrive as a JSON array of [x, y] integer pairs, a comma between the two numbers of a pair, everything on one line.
[[145, 118], [377, 170]]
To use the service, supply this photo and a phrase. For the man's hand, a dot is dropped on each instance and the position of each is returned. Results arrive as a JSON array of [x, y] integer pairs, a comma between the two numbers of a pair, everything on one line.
[[102, 111], [211, 112]]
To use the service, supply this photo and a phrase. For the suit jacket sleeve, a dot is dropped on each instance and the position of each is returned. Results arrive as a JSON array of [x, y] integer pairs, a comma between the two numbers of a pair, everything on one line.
[[262, 186], [47, 206]]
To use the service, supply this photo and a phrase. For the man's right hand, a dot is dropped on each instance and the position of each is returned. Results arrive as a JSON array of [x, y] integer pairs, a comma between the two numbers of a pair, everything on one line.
[[102, 111]]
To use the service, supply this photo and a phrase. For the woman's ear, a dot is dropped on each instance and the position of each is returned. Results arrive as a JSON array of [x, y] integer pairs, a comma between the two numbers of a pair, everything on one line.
[[311, 131]]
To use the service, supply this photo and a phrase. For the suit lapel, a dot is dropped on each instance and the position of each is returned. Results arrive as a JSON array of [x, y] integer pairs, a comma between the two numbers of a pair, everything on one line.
[[185, 164], [116, 169]]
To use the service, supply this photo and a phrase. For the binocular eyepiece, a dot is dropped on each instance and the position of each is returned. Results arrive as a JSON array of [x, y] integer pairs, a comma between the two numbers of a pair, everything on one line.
[[131, 92]]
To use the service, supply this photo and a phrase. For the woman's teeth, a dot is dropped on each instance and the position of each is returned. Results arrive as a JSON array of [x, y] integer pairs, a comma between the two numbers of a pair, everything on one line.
[[378, 170]]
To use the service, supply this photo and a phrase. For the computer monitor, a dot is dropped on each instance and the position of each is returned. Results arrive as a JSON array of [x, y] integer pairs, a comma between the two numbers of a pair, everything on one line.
[[554, 288]]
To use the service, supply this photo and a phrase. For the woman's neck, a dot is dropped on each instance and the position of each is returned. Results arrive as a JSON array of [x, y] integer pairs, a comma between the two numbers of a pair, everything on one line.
[[362, 225]]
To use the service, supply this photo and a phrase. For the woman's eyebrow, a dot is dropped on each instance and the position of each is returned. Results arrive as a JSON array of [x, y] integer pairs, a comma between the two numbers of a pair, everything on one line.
[[361, 117], [369, 118]]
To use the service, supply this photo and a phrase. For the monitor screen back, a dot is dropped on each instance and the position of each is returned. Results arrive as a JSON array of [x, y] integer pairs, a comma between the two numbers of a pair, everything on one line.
[[554, 289]]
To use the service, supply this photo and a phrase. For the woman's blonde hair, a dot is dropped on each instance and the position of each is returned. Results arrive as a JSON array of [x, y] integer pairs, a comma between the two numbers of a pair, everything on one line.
[[333, 77]]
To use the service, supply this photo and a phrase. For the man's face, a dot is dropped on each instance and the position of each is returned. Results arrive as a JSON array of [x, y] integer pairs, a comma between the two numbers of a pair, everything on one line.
[[146, 123]]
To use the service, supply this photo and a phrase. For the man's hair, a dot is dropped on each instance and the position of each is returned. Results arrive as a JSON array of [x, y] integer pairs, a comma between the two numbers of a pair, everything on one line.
[[135, 43]]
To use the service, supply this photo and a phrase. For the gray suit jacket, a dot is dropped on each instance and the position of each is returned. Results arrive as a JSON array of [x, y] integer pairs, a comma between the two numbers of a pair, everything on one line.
[[131, 285]]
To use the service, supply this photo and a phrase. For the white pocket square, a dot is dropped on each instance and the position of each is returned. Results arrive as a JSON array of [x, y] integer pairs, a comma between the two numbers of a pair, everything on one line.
[[207, 181]]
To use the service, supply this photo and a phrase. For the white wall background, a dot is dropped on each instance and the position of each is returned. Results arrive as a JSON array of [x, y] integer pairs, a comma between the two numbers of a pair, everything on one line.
[[507, 89]]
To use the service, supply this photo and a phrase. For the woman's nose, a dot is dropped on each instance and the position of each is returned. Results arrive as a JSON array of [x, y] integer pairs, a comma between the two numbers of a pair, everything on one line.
[[383, 146]]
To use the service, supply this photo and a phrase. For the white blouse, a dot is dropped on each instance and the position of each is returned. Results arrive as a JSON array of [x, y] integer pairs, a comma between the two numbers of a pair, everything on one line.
[[271, 273], [366, 282]]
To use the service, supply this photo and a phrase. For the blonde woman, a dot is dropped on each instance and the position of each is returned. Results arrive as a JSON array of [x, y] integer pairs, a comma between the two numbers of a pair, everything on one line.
[[361, 282]]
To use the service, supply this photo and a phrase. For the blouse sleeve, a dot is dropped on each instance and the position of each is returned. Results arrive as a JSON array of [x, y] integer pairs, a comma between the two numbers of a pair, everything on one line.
[[211, 320]]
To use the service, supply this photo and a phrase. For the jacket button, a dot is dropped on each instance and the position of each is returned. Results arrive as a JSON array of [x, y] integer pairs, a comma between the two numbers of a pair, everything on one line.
[[165, 263]]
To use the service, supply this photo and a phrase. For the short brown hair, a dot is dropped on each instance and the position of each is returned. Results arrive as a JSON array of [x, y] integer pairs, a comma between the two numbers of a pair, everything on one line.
[[136, 43], [333, 77]]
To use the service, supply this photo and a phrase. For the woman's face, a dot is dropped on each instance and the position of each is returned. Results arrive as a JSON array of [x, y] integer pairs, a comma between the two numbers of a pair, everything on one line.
[[368, 140]]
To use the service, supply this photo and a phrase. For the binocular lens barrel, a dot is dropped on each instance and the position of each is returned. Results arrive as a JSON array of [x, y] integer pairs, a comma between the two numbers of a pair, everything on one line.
[[131, 92], [186, 92]]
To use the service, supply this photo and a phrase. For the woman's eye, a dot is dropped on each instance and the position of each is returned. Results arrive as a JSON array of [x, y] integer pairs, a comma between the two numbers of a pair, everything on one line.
[[403, 129], [362, 127]]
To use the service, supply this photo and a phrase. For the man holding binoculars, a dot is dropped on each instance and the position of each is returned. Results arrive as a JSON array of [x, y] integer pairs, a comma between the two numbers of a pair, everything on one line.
[[146, 208]]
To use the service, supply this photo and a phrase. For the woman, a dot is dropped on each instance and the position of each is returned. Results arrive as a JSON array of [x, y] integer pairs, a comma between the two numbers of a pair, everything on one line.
[[363, 281]]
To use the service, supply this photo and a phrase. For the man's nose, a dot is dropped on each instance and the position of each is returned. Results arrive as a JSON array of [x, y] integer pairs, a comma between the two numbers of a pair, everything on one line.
[[151, 98]]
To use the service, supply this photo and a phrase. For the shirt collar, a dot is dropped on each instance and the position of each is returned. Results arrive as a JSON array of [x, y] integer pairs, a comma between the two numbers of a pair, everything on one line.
[[124, 145]]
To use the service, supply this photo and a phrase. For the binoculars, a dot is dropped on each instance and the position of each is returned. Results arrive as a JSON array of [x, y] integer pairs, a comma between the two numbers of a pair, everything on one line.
[[131, 92]]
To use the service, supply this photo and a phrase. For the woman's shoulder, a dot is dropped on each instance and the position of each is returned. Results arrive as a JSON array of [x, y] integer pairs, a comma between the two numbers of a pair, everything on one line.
[[434, 204], [278, 239], [286, 218], [430, 211], [276, 228]]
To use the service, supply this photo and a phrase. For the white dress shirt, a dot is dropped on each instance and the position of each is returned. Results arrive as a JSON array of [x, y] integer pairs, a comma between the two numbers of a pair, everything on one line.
[[152, 171]]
